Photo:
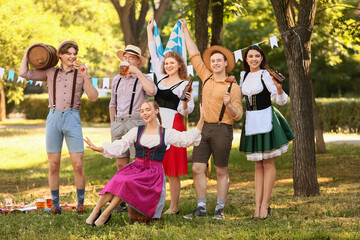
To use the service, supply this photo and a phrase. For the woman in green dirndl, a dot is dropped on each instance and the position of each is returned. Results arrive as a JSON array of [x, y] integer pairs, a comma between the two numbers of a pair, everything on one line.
[[265, 134]]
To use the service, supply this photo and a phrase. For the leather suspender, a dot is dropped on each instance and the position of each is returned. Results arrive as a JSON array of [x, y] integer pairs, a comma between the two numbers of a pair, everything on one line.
[[54, 87], [222, 112], [223, 106], [117, 85], [73, 88], [132, 96]]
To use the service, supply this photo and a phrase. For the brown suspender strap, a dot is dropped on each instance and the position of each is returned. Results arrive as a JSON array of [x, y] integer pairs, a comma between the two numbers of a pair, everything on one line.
[[223, 106], [73, 89], [54, 87]]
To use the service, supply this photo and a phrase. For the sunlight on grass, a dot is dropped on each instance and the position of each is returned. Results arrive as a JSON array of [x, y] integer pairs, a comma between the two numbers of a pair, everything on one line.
[[333, 214]]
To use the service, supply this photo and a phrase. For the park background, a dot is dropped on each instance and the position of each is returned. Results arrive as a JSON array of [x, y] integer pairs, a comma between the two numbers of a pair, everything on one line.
[[99, 27]]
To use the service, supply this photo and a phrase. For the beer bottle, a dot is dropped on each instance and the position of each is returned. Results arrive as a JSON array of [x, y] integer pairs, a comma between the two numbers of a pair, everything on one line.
[[186, 89], [274, 74]]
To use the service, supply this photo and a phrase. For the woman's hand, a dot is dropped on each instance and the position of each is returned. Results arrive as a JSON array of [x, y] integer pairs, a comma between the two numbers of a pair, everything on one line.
[[150, 25], [278, 84], [187, 96], [92, 146]]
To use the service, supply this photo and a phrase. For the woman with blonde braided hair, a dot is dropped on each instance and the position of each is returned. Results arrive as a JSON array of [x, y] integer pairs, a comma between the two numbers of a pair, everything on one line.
[[141, 183]]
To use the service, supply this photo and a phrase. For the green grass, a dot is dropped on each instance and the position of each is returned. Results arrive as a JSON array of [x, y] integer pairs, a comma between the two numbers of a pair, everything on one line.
[[334, 214]]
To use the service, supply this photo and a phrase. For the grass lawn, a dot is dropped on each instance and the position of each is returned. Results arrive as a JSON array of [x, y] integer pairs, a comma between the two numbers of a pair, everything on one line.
[[334, 214]]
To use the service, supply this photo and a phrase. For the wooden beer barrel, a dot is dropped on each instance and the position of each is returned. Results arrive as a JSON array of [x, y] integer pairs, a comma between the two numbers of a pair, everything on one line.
[[135, 216], [42, 56]]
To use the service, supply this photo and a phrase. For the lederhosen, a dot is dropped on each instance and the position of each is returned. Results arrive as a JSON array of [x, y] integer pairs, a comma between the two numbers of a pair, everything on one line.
[[221, 134]]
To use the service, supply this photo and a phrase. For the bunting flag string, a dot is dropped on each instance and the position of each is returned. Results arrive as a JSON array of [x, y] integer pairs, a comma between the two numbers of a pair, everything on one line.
[[176, 43]]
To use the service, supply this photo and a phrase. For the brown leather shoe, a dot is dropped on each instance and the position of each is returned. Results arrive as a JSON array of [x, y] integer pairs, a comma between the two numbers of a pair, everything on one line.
[[55, 211], [80, 209]]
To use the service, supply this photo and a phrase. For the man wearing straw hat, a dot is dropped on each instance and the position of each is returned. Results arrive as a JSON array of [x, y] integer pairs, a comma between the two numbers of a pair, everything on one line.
[[66, 86], [128, 91], [221, 97]]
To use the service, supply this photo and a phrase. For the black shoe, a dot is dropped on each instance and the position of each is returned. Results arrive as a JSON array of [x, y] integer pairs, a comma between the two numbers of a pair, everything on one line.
[[121, 208], [268, 215], [92, 224], [219, 214], [199, 212], [107, 220]]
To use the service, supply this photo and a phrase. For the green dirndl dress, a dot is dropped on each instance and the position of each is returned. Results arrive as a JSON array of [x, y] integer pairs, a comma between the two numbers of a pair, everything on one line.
[[278, 138]]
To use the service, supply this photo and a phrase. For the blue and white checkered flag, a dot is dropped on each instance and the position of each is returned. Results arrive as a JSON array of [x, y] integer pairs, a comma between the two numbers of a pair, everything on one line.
[[176, 42], [158, 43]]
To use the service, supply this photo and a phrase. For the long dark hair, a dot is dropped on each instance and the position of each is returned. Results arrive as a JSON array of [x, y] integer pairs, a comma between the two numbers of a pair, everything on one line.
[[246, 66]]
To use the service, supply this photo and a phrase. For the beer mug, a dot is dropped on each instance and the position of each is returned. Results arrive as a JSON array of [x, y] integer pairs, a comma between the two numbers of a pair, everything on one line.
[[48, 201], [40, 203], [124, 67], [8, 204]]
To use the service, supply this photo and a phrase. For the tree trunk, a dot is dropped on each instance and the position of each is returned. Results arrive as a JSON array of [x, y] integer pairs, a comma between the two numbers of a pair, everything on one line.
[[2, 103], [202, 40], [319, 136], [217, 8], [297, 48], [134, 29]]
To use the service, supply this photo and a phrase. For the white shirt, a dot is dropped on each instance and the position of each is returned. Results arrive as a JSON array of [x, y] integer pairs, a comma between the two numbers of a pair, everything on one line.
[[188, 138], [259, 121]]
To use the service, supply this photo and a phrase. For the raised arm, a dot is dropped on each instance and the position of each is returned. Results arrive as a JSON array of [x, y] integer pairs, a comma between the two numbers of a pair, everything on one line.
[[155, 60], [190, 44]]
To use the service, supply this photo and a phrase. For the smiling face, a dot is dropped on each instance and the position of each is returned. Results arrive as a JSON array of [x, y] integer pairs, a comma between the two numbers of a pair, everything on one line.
[[148, 112], [171, 66], [218, 63], [254, 59], [67, 58]]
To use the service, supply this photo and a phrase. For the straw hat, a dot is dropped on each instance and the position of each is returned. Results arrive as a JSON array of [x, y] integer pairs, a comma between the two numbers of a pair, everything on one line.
[[132, 50], [227, 53], [65, 42]]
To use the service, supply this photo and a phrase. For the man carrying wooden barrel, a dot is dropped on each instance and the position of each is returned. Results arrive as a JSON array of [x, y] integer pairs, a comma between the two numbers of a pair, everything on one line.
[[66, 86]]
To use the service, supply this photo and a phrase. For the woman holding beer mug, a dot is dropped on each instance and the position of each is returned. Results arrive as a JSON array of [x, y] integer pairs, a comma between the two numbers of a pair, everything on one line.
[[141, 183], [266, 133], [171, 75]]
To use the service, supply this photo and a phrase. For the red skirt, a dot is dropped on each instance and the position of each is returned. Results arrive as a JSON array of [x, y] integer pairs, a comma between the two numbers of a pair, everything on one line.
[[175, 161]]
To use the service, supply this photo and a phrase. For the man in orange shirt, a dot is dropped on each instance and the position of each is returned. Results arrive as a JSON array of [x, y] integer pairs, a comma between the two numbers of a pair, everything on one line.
[[221, 97]]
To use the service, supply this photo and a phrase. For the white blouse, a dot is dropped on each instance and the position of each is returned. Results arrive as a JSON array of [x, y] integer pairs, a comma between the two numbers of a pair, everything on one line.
[[166, 114], [188, 138], [259, 121]]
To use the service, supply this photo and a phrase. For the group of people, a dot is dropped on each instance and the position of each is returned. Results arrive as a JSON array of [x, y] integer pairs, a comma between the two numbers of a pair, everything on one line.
[[152, 131]]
